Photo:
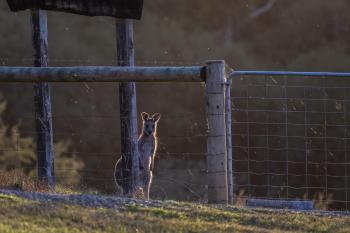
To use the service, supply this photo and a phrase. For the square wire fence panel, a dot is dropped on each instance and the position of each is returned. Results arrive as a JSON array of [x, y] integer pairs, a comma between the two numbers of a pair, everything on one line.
[[291, 139]]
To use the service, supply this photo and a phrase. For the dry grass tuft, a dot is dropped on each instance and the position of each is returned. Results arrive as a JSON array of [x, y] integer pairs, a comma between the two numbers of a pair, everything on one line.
[[17, 180]]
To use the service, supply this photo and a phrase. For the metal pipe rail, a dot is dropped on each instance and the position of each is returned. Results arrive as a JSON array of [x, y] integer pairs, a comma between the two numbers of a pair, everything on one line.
[[234, 74], [102, 74]]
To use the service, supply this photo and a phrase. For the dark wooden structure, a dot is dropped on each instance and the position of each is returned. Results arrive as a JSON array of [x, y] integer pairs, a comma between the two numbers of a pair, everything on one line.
[[125, 10], [128, 108], [128, 9], [42, 101]]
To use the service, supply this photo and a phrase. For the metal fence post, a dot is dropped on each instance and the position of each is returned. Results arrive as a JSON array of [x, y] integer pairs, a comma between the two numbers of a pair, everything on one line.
[[42, 99], [228, 116], [216, 141]]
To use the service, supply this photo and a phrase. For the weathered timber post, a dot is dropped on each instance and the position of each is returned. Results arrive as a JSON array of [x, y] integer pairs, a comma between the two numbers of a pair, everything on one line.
[[42, 99], [128, 108], [228, 116], [216, 141], [102, 74]]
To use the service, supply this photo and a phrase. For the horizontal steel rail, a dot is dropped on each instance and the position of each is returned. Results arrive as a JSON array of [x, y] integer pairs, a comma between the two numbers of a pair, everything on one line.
[[234, 74], [102, 74]]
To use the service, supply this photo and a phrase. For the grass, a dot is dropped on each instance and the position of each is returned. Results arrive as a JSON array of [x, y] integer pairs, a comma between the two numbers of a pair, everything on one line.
[[21, 215], [17, 180]]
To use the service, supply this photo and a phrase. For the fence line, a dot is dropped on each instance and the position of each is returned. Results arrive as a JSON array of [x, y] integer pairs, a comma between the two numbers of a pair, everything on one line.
[[102, 74], [279, 103], [6, 60]]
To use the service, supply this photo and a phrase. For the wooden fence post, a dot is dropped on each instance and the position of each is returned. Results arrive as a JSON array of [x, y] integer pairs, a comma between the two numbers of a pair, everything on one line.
[[43, 115], [216, 141], [128, 108], [228, 116]]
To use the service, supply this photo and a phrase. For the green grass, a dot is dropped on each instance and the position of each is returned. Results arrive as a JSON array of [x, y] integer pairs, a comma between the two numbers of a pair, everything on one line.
[[21, 215]]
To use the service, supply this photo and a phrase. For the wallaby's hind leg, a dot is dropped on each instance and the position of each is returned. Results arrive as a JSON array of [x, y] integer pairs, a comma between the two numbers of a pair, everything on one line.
[[149, 184], [147, 180]]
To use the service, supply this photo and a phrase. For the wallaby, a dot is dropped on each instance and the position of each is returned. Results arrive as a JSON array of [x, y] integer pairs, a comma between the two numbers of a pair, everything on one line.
[[147, 145]]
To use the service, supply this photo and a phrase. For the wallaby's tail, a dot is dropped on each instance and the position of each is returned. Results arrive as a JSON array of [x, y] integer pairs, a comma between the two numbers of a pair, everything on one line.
[[138, 193], [118, 177]]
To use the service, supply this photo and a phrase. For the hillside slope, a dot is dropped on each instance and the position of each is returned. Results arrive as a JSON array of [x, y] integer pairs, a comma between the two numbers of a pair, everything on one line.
[[88, 213]]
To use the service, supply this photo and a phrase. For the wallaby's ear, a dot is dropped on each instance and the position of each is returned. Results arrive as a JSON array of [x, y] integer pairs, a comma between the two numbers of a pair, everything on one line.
[[144, 116], [156, 117]]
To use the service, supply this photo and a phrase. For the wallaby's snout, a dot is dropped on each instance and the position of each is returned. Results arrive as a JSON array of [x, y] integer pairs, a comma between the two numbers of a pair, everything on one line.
[[149, 127]]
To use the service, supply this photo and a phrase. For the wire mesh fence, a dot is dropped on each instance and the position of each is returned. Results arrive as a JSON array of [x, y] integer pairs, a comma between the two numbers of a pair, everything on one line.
[[291, 138], [87, 138]]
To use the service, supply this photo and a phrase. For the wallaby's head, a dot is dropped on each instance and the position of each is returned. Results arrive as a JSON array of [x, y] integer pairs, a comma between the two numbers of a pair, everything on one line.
[[150, 123]]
